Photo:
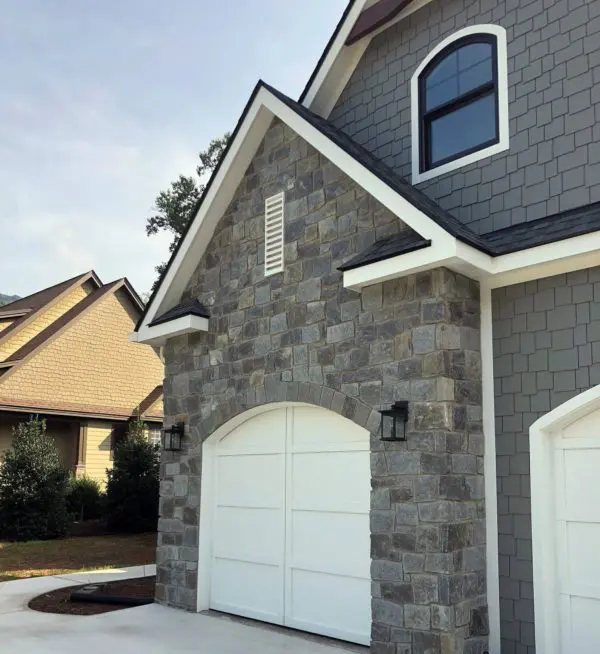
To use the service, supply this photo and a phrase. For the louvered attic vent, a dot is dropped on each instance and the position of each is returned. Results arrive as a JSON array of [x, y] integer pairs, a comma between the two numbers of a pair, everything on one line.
[[274, 215]]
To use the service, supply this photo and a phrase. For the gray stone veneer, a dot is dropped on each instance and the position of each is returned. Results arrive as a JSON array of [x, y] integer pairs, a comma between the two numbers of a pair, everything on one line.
[[553, 72], [546, 350], [300, 336]]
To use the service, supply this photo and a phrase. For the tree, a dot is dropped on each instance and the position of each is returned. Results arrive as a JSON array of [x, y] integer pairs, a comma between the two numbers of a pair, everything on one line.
[[133, 483], [175, 206], [33, 486]]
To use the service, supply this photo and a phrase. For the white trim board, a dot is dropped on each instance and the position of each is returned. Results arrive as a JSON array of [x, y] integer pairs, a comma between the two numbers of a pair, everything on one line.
[[159, 334], [220, 193], [570, 254], [503, 122], [341, 60], [544, 547], [489, 464]]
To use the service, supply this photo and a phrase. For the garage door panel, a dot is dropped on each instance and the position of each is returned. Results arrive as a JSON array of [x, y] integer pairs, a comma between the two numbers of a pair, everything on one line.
[[315, 429], [348, 617], [251, 535], [321, 481], [238, 480], [251, 590], [585, 626], [290, 527], [583, 559], [581, 474], [331, 542], [259, 434]]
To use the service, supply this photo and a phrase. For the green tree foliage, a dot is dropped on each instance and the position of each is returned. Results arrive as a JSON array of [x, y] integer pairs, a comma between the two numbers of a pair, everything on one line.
[[133, 484], [85, 498], [33, 486], [175, 205]]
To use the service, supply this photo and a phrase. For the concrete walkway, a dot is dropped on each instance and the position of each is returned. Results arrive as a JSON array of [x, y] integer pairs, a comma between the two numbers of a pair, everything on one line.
[[150, 629]]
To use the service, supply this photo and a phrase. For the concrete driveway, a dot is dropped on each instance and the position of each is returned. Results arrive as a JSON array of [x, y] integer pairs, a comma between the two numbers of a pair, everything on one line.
[[150, 629]]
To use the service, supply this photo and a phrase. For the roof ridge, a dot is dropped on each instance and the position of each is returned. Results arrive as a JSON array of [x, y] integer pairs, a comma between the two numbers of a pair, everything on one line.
[[59, 325]]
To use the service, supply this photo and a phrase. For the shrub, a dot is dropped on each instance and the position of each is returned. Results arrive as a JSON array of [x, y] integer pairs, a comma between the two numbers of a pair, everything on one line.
[[133, 484], [33, 486], [85, 498]]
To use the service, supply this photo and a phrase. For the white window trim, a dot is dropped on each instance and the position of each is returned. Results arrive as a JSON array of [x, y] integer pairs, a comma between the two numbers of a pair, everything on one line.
[[503, 124]]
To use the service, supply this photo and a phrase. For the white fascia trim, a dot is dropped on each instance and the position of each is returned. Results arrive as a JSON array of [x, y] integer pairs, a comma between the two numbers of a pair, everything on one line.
[[213, 207], [398, 205], [427, 258], [570, 254], [503, 114], [542, 261], [342, 60], [338, 66], [159, 334], [234, 166]]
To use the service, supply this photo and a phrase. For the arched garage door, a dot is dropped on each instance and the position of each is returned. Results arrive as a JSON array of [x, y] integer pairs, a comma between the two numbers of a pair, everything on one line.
[[290, 522], [565, 471]]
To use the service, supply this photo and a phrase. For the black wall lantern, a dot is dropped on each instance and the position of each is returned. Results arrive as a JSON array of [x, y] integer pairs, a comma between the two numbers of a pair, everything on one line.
[[173, 436], [393, 422]]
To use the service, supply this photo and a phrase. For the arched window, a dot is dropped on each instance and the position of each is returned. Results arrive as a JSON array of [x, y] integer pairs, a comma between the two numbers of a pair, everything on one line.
[[459, 102]]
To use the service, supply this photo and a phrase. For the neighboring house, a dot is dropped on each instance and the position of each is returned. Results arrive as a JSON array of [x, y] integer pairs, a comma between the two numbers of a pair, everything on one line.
[[64, 355], [423, 225]]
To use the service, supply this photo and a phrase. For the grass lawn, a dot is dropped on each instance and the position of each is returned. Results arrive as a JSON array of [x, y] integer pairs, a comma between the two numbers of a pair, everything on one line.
[[52, 557]]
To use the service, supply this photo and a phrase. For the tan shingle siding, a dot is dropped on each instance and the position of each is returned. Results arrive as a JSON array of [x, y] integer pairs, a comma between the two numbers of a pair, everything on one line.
[[37, 325], [91, 363]]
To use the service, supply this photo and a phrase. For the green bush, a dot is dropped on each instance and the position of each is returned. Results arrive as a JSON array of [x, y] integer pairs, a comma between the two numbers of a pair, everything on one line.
[[33, 486], [133, 484], [85, 499]]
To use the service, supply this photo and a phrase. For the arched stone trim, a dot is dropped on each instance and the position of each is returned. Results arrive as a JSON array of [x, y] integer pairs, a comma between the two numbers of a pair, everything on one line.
[[547, 609], [302, 392]]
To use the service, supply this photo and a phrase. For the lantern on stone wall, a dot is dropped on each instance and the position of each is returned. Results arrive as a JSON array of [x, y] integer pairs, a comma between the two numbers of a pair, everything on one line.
[[393, 422], [172, 437]]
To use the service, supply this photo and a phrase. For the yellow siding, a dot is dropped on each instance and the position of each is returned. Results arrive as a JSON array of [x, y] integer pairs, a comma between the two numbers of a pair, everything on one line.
[[97, 455], [40, 323], [92, 363], [5, 323]]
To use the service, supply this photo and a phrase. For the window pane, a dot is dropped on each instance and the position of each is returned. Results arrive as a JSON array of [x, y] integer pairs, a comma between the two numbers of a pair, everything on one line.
[[467, 127], [472, 54], [461, 71], [475, 76]]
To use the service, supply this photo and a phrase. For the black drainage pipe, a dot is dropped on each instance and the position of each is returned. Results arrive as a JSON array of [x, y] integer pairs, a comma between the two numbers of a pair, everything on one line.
[[114, 600]]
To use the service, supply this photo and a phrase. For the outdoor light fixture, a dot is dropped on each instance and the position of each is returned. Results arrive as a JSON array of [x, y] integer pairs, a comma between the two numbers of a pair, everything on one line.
[[173, 436], [393, 422]]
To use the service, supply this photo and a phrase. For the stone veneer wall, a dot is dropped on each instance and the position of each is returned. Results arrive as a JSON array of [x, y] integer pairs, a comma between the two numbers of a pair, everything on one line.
[[300, 336]]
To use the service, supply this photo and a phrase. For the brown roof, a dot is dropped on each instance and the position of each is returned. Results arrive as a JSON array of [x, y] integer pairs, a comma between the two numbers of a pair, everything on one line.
[[73, 409], [32, 305], [58, 325], [148, 402]]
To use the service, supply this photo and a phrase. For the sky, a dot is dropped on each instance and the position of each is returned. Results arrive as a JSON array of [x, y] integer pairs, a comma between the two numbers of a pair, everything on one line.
[[103, 104]]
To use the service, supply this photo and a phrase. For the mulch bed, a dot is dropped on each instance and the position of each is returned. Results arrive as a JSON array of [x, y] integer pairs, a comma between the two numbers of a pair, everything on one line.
[[58, 601]]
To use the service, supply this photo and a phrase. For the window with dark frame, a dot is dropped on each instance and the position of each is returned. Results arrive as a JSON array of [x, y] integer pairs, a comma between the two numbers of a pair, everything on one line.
[[155, 435], [458, 101]]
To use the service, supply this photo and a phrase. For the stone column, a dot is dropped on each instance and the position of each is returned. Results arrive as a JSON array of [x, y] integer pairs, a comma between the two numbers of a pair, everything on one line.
[[427, 509]]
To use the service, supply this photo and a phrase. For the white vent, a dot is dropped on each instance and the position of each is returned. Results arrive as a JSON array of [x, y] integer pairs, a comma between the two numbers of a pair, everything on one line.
[[274, 214]]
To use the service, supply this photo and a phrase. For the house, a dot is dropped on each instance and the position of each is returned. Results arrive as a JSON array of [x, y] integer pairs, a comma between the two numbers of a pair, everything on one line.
[[420, 229], [64, 355]]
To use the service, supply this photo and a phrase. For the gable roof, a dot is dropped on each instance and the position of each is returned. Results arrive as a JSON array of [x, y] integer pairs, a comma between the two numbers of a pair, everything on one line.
[[29, 349], [190, 308], [415, 209], [360, 22], [28, 308]]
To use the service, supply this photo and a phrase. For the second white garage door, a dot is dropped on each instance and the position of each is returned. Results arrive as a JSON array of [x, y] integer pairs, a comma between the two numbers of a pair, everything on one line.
[[290, 532]]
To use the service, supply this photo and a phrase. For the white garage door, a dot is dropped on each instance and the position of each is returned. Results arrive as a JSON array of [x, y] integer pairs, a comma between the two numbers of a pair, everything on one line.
[[291, 523], [577, 497]]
